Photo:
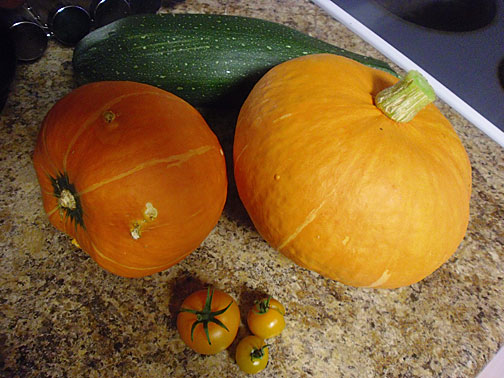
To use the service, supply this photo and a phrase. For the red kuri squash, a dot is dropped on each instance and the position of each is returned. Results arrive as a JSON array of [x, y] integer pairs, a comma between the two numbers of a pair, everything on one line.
[[335, 184], [132, 173]]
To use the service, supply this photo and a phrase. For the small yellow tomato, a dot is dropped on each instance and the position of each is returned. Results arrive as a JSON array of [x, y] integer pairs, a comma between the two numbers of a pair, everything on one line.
[[266, 318], [252, 354]]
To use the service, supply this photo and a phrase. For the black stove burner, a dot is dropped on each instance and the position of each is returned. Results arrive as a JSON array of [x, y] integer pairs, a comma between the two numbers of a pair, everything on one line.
[[500, 73], [444, 15]]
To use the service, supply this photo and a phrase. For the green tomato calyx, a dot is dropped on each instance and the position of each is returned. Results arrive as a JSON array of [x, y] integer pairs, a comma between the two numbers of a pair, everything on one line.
[[263, 306], [258, 353], [206, 315]]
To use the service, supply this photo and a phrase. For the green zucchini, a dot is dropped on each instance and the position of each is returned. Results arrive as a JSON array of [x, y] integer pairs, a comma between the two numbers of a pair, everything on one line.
[[205, 59]]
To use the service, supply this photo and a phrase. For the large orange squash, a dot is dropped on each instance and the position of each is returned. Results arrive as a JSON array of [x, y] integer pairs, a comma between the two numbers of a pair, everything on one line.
[[132, 173], [336, 185]]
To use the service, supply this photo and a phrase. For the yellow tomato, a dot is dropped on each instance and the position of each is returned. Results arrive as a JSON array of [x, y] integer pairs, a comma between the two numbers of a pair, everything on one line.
[[252, 354], [266, 318]]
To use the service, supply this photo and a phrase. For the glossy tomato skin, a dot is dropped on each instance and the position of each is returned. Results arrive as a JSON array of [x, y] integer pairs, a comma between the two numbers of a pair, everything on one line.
[[252, 354], [266, 319], [220, 338]]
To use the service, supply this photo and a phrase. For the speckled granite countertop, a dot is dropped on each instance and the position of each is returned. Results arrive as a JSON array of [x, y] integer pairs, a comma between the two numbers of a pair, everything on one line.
[[61, 315]]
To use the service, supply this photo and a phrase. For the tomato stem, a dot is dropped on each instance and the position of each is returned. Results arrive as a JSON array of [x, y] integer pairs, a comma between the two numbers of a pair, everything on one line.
[[258, 353], [402, 101], [263, 305], [206, 315]]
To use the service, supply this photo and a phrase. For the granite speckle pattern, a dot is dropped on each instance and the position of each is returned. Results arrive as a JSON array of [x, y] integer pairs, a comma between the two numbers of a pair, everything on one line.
[[63, 316]]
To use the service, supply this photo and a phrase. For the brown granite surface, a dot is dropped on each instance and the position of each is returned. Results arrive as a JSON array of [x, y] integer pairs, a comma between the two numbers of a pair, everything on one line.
[[63, 316]]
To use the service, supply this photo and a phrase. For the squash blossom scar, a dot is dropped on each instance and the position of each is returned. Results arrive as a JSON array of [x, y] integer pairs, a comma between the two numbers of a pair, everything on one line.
[[109, 116], [150, 213], [110, 119]]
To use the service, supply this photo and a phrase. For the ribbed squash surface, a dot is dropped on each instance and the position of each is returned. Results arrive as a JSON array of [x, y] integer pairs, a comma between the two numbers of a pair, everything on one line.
[[338, 187], [133, 173]]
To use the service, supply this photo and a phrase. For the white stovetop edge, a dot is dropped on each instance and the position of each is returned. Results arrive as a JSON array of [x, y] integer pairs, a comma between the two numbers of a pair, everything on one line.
[[405, 63], [495, 368]]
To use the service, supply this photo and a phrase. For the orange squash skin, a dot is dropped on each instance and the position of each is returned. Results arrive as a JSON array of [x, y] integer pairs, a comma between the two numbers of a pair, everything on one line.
[[341, 189], [148, 172]]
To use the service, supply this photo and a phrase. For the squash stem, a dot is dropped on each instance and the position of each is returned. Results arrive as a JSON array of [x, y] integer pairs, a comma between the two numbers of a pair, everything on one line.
[[402, 101]]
